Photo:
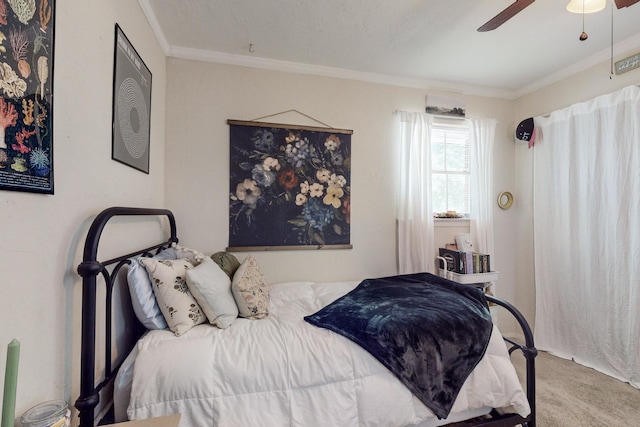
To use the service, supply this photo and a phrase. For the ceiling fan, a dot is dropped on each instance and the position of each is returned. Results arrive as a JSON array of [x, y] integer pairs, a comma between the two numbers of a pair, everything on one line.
[[517, 6]]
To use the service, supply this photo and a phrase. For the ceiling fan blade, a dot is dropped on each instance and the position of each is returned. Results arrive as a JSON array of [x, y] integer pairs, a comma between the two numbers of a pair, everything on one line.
[[625, 3], [507, 14]]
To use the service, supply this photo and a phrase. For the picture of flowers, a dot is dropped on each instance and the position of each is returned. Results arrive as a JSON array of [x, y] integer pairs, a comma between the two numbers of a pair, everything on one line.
[[290, 187], [26, 95]]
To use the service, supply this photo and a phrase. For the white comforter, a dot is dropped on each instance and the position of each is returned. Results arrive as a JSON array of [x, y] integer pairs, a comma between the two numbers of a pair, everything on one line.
[[282, 371]]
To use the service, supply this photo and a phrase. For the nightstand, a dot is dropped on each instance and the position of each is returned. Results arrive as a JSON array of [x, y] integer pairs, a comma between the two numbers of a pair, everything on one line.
[[482, 281]]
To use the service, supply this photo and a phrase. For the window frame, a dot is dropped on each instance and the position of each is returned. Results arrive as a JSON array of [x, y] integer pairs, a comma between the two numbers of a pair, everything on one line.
[[453, 125]]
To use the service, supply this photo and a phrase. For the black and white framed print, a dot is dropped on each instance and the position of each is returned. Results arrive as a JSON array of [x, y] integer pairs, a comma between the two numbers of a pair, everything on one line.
[[131, 105]]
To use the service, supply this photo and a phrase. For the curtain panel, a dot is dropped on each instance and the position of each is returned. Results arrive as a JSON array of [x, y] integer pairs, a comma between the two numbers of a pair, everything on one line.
[[482, 135], [586, 202], [416, 252]]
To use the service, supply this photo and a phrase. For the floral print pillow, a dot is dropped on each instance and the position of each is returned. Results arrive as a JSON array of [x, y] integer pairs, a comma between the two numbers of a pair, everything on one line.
[[250, 290], [178, 306]]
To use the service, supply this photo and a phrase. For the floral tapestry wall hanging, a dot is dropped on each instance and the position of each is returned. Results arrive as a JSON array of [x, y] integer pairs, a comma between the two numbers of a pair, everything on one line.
[[290, 187], [26, 95]]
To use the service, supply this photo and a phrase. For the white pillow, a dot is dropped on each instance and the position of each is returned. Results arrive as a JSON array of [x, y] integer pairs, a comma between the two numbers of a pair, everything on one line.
[[180, 309], [211, 287], [142, 298], [250, 290]]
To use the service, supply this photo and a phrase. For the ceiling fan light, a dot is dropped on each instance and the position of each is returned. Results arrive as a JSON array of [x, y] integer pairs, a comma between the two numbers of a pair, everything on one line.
[[590, 6]]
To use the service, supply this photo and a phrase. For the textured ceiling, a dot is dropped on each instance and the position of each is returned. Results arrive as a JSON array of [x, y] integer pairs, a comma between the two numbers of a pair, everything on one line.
[[422, 43]]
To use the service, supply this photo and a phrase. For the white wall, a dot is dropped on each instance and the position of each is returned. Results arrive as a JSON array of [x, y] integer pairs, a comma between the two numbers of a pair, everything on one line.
[[202, 96], [42, 234]]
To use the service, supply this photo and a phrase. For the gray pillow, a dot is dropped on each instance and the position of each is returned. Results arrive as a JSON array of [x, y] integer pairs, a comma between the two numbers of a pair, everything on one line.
[[211, 288]]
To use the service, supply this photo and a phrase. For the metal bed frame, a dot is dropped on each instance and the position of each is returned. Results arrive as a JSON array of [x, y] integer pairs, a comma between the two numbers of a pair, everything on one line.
[[91, 268]]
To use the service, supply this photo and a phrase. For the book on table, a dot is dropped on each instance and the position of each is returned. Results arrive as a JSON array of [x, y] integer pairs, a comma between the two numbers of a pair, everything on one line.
[[462, 262]]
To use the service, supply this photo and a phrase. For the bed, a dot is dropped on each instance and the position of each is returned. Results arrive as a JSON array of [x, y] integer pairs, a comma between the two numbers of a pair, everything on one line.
[[287, 368]]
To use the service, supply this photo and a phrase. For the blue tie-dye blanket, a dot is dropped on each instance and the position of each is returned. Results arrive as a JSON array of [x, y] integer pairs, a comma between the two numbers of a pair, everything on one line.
[[430, 332]]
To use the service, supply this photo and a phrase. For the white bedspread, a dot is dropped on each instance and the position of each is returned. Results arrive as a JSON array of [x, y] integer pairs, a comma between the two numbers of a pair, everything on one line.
[[282, 371]]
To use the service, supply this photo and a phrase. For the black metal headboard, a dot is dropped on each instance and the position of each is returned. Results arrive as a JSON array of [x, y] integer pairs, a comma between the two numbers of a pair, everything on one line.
[[89, 269]]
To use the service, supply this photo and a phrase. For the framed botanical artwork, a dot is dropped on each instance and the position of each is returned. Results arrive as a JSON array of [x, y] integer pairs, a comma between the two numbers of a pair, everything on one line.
[[289, 187], [131, 105], [26, 95]]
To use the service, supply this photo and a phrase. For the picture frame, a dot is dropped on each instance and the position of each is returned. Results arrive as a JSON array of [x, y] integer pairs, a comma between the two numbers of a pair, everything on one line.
[[26, 97], [131, 124], [289, 187], [627, 64], [445, 106]]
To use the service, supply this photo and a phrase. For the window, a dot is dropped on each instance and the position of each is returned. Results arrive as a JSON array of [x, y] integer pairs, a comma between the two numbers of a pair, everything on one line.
[[450, 170]]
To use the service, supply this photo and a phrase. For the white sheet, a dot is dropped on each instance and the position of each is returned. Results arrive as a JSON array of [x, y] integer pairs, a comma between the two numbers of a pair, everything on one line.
[[284, 371]]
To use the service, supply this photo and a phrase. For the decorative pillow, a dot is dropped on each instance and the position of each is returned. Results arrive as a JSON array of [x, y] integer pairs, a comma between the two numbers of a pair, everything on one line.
[[250, 290], [142, 298], [211, 288], [180, 309], [227, 262], [193, 256]]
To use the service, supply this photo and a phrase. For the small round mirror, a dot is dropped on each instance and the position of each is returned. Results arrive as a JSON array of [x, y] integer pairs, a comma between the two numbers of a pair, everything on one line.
[[505, 200]]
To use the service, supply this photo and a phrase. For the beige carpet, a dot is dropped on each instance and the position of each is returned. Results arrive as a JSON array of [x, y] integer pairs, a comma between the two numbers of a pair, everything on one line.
[[571, 395]]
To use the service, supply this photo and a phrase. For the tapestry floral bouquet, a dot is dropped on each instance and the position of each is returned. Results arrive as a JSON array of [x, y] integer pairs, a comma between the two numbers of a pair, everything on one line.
[[289, 187]]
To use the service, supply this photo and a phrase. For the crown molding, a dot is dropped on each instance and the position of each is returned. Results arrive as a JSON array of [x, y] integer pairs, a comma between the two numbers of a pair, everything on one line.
[[317, 70], [155, 25], [600, 57]]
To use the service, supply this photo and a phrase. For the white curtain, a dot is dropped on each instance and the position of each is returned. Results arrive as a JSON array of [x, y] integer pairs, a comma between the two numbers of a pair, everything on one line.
[[416, 252], [587, 233], [482, 134]]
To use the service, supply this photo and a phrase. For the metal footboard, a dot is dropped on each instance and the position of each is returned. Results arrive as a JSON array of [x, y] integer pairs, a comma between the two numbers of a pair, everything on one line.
[[529, 352]]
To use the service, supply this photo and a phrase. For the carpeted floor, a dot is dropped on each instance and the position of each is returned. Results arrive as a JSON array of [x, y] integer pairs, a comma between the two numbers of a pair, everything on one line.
[[571, 395]]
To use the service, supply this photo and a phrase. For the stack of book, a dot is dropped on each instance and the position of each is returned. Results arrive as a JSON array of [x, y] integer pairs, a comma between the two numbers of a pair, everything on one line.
[[466, 262]]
